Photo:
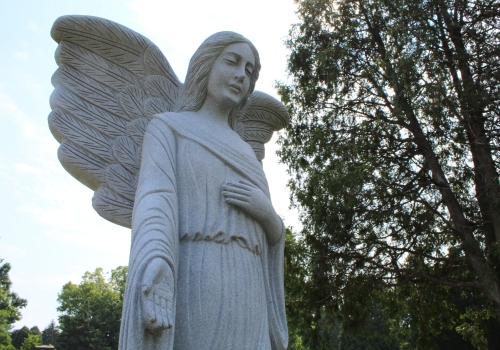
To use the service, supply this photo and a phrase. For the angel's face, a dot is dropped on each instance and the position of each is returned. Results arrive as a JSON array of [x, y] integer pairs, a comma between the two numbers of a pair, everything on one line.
[[229, 79]]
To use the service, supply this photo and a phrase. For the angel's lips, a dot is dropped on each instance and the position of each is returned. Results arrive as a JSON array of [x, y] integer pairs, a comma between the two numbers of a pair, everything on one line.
[[236, 87]]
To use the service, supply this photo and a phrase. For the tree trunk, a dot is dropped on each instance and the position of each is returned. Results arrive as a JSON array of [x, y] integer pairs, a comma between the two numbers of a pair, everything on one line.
[[463, 231], [470, 97]]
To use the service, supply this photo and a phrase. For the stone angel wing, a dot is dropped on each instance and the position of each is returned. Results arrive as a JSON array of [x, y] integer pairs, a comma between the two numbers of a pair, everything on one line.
[[109, 84], [258, 119]]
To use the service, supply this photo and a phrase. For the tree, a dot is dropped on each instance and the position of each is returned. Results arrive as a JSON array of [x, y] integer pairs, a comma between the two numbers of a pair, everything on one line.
[[5, 340], [91, 311], [315, 324], [394, 156], [50, 335], [10, 303], [19, 335], [10, 306], [35, 330], [31, 342]]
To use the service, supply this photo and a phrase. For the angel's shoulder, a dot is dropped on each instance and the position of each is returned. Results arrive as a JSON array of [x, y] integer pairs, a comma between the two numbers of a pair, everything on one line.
[[160, 126], [163, 119], [173, 120]]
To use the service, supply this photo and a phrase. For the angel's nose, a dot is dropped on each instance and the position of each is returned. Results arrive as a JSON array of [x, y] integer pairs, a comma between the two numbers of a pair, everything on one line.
[[240, 74]]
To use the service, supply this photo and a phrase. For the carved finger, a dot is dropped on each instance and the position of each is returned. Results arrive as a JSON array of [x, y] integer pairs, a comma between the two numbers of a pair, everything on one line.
[[149, 315], [239, 197], [147, 303], [158, 311], [236, 190], [231, 194], [162, 293], [241, 185], [170, 317], [161, 315], [166, 320], [237, 202], [146, 287]]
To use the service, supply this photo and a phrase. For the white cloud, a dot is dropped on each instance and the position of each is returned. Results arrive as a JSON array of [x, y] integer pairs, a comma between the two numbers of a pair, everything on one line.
[[11, 249], [25, 169], [33, 27], [21, 55], [9, 111]]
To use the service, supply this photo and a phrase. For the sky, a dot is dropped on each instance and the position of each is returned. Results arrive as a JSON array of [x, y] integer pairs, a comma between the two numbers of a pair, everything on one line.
[[50, 233]]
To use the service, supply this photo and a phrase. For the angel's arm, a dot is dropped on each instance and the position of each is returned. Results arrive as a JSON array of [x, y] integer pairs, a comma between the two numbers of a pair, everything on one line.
[[154, 228]]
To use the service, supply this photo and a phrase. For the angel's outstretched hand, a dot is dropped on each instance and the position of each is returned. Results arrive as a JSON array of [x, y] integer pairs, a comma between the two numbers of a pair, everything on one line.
[[157, 295], [254, 202]]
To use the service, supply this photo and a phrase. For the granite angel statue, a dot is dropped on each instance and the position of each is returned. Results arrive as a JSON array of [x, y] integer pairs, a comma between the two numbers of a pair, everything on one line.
[[181, 165]]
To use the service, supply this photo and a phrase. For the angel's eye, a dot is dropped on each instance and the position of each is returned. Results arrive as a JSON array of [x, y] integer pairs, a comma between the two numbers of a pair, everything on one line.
[[249, 72], [230, 61]]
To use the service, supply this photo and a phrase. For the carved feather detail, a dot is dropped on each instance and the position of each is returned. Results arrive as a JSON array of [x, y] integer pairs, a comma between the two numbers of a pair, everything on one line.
[[80, 134], [107, 39], [90, 64], [121, 181], [137, 129], [156, 64], [82, 165], [258, 149], [87, 113], [132, 101], [260, 117], [125, 151], [162, 88], [113, 207], [156, 106], [87, 89]]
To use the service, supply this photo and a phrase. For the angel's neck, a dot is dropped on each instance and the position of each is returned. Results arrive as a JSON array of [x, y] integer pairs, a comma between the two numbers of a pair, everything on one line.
[[214, 114]]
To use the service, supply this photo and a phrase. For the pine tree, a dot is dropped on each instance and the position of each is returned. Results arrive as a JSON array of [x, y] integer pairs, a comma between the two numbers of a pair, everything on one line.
[[394, 156]]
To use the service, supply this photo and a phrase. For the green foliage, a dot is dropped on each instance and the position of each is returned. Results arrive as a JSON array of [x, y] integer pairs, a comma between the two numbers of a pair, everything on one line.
[[31, 342], [5, 340], [35, 330], [473, 330], [10, 303], [299, 317], [10, 307], [19, 336], [311, 325], [394, 156], [91, 311], [314, 321], [50, 335]]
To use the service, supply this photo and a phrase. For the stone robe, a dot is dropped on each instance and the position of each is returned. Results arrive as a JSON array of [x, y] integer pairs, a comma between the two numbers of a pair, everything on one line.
[[228, 280]]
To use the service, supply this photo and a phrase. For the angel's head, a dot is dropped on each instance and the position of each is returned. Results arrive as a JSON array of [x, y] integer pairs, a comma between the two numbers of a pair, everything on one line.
[[200, 67]]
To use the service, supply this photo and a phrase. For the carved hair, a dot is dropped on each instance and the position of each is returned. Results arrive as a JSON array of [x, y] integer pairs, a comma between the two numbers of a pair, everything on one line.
[[200, 65]]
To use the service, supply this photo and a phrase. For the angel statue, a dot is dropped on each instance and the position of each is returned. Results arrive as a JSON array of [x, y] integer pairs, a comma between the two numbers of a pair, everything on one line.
[[181, 165]]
